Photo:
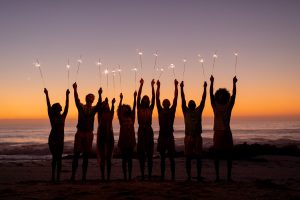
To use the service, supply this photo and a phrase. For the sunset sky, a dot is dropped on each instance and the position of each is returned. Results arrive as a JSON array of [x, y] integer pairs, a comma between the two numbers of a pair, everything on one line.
[[264, 33]]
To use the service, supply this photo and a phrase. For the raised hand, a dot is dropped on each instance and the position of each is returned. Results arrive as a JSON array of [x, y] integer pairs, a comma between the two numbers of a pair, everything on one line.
[[100, 91], [205, 84], [142, 81], [158, 83], [45, 91], [176, 82], [235, 79], [152, 82], [75, 86], [135, 94], [121, 96], [212, 78], [113, 101], [182, 84], [67, 92]]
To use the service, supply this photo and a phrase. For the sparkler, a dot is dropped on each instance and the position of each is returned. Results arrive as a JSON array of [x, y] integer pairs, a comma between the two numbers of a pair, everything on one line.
[[161, 72], [140, 53], [106, 74], [155, 62], [38, 65], [135, 70], [68, 68], [172, 66], [99, 69], [184, 64], [215, 56], [236, 57], [120, 77], [113, 77], [79, 61], [202, 65]]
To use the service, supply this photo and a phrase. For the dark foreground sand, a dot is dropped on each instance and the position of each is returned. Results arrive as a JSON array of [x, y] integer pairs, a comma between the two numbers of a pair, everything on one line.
[[263, 177]]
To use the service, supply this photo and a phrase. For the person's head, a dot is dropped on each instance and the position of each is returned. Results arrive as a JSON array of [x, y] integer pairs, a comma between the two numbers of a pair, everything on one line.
[[56, 108], [126, 110], [145, 101], [222, 96], [192, 105], [166, 103], [106, 105], [89, 99]]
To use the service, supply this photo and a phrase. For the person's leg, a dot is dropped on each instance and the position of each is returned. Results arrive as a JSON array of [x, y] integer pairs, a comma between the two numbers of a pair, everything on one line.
[[124, 167], [108, 166], [102, 164], [217, 165], [53, 165], [172, 165], [188, 161], [129, 166], [59, 160], [199, 167], [162, 165], [150, 164], [85, 164], [74, 165], [142, 165], [229, 164]]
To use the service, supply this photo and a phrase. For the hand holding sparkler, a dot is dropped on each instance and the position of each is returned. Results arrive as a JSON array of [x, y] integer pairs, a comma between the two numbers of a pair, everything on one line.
[[176, 82], [45, 91], [235, 80], [182, 84], [158, 83], [152, 82]]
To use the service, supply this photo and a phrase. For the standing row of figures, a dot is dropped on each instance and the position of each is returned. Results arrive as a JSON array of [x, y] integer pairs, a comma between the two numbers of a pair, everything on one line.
[[222, 103]]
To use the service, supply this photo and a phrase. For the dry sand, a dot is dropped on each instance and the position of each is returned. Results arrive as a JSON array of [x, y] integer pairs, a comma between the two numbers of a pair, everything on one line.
[[264, 177]]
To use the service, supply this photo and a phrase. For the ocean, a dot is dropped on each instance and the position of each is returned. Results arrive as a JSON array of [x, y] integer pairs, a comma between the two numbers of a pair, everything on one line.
[[27, 139]]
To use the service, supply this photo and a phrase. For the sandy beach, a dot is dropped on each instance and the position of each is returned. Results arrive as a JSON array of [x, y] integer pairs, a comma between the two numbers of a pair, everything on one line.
[[262, 177]]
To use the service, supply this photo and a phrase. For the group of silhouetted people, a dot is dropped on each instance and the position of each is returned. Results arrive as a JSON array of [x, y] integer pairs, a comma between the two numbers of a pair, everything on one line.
[[222, 103]]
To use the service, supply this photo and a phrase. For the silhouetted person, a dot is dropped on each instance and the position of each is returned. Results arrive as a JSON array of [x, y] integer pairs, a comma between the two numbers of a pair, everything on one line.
[[145, 143], [193, 129], [105, 137], [56, 137], [85, 126], [127, 141], [222, 105], [166, 115]]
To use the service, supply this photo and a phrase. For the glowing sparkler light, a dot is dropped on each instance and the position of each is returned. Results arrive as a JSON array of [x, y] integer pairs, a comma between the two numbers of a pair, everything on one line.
[[236, 56], [215, 56]]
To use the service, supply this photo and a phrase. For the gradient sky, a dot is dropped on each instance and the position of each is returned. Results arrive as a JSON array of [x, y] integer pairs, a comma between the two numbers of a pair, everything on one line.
[[264, 32]]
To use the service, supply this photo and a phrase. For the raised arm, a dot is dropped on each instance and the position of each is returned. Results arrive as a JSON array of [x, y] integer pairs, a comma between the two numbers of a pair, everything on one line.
[[134, 106], [99, 102], [232, 99], [211, 92], [202, 103], [158, 104], [120, 104], [153, 95], [67, 103], [139, 93], [183, 102], [112, 110], [48, 101], [77, 101], [175, 95]]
